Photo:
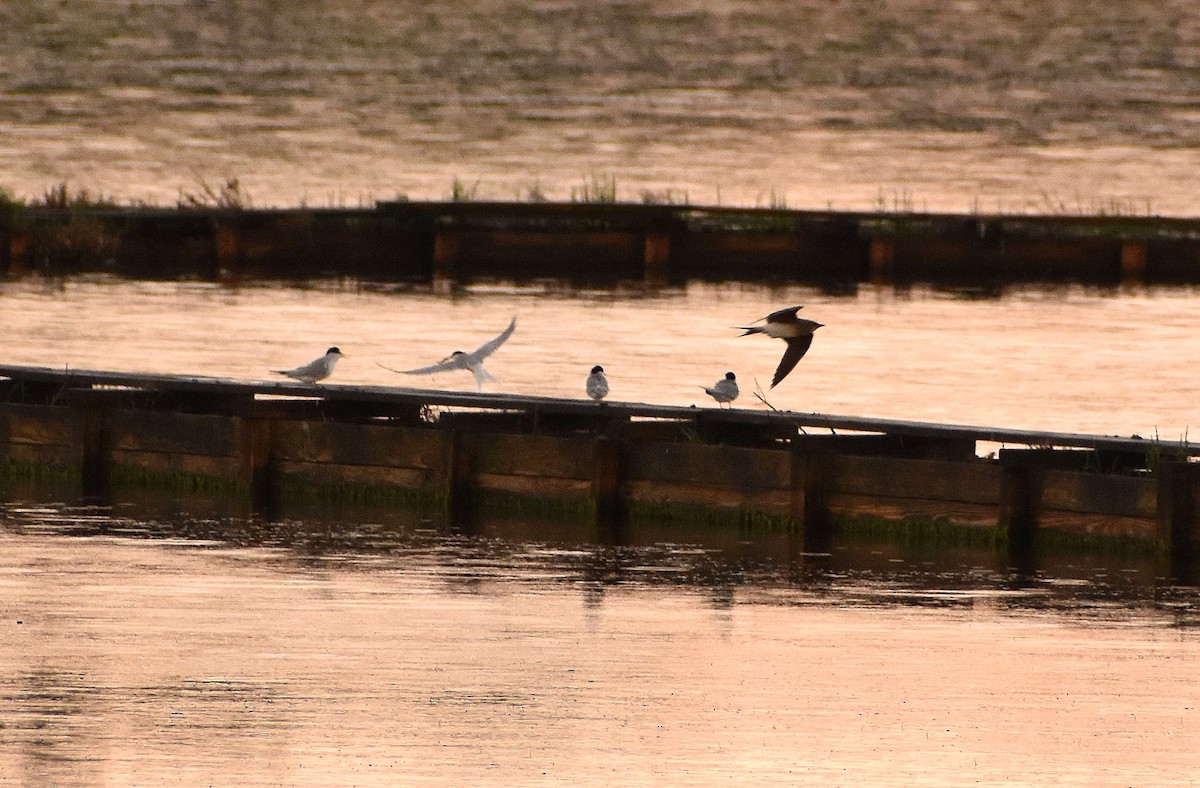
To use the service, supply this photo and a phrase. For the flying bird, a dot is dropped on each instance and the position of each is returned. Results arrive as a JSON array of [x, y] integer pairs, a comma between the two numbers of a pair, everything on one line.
[[796, 331], [316, 370], [472, 361], [724, 390], [597, 384]]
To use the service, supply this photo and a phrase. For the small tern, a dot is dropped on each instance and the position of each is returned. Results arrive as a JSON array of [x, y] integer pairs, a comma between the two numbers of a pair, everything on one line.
[[796, 331], [472, 361], [597, 384], [724, 390], [314, 370]]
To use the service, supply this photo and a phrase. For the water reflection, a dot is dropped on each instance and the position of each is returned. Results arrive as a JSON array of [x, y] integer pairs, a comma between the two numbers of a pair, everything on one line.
[[375, 647], [57, 710], [725, 566]]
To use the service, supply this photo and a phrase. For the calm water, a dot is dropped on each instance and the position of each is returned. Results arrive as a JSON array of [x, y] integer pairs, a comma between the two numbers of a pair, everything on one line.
[[181, 641], [178, 640], [1010, 105], [140, 650]]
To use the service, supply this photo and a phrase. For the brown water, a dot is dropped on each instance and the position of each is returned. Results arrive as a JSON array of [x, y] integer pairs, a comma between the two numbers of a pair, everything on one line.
[[385, 652], [1015, 105], [1064, 359], [178, 641]]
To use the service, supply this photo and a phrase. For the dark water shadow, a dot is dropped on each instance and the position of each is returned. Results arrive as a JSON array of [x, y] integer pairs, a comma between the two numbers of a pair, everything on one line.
[[726, 564]]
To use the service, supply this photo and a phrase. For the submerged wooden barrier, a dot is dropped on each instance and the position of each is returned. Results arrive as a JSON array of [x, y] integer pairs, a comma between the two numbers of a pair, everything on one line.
[[444, 244], [821, 473]]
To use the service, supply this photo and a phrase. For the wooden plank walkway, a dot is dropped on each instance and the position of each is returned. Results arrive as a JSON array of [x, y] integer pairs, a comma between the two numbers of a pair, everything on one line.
[[401, 396]]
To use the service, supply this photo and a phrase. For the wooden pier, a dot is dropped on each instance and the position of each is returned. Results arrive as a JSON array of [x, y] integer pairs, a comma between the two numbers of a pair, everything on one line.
[[444, 244], [455, 451]]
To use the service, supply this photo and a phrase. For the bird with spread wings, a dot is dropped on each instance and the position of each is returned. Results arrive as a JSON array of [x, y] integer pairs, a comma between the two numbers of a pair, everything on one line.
[[796, 331], [472, 361]]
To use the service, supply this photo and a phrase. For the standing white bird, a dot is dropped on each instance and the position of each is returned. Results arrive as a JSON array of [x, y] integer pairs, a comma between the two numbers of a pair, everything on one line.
[[316, 370], [472, 361], [796, 331], [597, 384], [724, 390]]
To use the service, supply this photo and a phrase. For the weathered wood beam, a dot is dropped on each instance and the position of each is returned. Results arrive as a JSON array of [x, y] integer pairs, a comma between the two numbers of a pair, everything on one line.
[[459, 470], [94, 408], [1178, 511], [608, 471], [391, 396], [258, 463], [1018, 511], [811, 473]]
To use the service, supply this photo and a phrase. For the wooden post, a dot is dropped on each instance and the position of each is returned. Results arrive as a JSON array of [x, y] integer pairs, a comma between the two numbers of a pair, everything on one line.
[[811, 473], [459, 470], [656, 259], [258, 464], [19, 249], [606, 480], [1178, 484], [96, 458], [1020, 499], [227, 242], [882, 258], [1133, 261], [445, 261]]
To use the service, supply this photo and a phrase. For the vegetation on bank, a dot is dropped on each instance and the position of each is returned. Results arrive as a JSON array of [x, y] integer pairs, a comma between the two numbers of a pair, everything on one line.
[[214, 232], [594, 188]]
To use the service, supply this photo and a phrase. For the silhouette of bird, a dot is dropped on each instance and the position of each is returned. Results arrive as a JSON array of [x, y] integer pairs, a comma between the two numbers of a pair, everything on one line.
[[316, 370], [796, 331], [724, 390], [472, 361], [597, 384]]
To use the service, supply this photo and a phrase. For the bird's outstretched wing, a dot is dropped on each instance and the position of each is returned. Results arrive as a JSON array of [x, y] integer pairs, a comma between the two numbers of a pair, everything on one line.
[[442, 366], [779, 314], [488, 348], [787, 315], [796, 348], [462, 360]]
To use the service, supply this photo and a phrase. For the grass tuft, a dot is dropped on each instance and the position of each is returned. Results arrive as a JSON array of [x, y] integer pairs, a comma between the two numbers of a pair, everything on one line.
[[61, 196], [597, 188], [536, 193], [9, 202], [664, 197], [228, 196], [460, 191]]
